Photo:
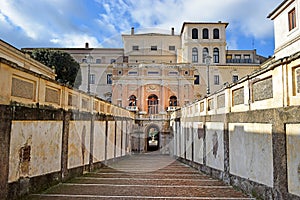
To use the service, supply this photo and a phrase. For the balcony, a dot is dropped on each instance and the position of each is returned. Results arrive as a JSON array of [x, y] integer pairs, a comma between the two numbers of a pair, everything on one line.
[[172, 108], [132, 108]]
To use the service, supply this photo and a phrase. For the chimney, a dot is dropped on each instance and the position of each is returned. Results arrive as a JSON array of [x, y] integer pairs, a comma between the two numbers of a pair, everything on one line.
[[132, 30], [172, 31], [86, 45]]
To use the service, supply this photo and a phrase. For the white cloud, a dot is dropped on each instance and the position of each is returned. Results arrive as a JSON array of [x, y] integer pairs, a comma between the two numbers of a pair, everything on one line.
[[47, 22], [103, 21], [232, 43], [14, 13], [250, 16], [3, 23], [75, 40], [2, 18]]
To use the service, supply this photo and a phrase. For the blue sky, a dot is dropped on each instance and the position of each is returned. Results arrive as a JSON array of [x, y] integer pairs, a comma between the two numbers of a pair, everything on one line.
[[71, 23]]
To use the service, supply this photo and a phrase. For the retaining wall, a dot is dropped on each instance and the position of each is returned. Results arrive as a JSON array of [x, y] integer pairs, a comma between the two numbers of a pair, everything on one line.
[[247, 134], [50, 132]]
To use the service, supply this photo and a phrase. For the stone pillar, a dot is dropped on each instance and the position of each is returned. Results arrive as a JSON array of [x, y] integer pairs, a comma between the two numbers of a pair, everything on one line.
[[280, 182], [161, 102], [65, 142], [193, 140], [115, 138], [126, 135], [5, 130], [106, 135], [142, 97], [226, 177], [122, 145], [179, 139], [91, 160], [204, 143]]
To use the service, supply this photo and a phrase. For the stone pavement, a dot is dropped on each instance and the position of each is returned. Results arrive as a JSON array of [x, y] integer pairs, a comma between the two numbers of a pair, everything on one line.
[[145, 176]]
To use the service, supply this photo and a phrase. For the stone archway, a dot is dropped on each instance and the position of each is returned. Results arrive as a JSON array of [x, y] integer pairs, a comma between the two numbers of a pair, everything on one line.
[[152, 133]]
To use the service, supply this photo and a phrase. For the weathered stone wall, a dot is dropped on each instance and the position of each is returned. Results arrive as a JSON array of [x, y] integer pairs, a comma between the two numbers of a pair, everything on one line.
[[238, 96], [45, 143], [246, 149], [293, 157], [250, 150], [254, 142], [263, 89], [50, 132]]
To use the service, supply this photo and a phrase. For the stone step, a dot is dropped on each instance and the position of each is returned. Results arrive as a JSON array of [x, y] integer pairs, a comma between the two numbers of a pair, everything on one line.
[[143, 177]]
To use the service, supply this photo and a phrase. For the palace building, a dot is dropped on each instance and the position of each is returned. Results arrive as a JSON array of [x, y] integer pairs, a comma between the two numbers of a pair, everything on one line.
[[156, 73]]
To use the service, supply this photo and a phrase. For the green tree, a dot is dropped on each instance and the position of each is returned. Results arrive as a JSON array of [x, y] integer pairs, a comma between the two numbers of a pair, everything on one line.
[[67, 69]]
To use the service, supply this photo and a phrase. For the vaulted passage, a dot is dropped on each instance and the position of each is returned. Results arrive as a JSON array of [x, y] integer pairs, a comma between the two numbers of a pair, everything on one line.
[[144, 176]]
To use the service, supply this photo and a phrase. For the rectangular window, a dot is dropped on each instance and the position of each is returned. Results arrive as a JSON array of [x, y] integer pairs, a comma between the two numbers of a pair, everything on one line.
[[216, 58], [216, 79], [153, 48], [119, 103], [210, 104], [132, 73], [228, 56], [292, 19], [84, 60], [92, 78], [173, 73], [135, 48], [235, 78], [153, 73], [196, 80], [238, 56], [171, 48], [195, 58], [247, 58], [109, 79], [112, 61], [98, 61]]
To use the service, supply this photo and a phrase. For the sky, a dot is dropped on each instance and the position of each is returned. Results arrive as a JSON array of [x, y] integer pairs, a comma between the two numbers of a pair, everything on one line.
[[72, 23]]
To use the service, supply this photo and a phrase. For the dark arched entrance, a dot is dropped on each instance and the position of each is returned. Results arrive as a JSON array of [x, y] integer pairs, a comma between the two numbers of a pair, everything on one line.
[[152, 133]]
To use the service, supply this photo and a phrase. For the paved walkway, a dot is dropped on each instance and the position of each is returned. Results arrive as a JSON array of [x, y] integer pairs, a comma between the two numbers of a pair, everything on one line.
[[143, 177]]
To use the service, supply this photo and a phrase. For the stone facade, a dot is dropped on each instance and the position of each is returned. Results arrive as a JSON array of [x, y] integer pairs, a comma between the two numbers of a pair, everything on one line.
[[50, 132], [260, 123], [154, 73], [263, 89], [190, 47], [252, 143], [286, 28]]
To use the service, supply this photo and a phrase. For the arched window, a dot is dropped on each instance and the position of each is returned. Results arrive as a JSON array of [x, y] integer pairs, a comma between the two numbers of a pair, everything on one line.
[[216, 55], [194, 55], [152, 104], [205, 53], [216, 34], [173, 101], [132, 100], [194, 33], [205, 33]]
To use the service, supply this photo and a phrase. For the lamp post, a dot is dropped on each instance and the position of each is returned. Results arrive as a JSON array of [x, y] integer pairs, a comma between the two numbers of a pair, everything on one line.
[[207, 61], [89, 60]]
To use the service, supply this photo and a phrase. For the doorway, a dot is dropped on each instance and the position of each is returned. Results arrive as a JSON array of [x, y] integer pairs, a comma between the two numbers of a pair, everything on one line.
[[152, 138]]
